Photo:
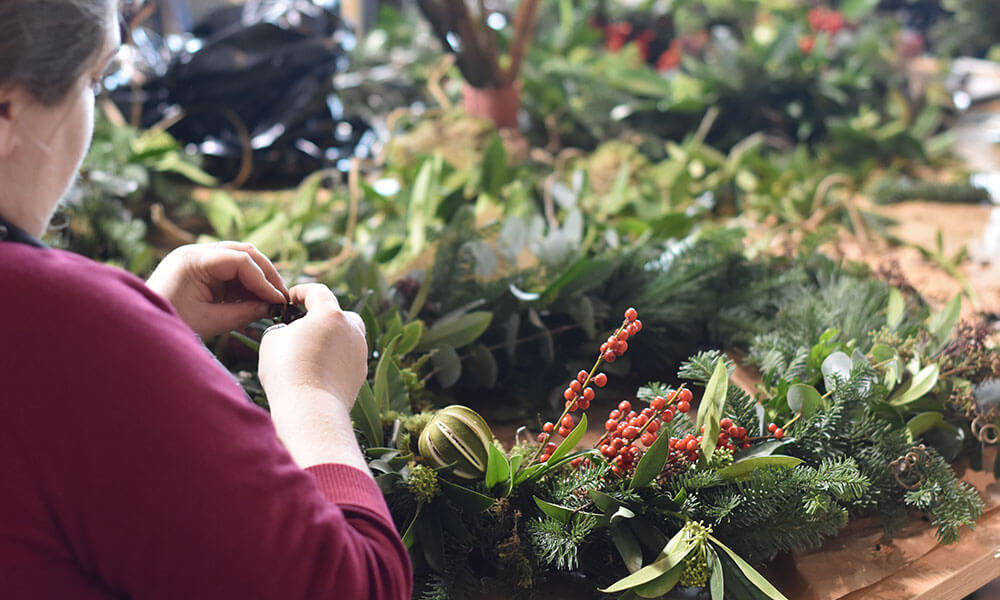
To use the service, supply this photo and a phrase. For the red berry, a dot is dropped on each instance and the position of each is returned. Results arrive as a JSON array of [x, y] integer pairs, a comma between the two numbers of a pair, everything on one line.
[[608, 451], [569, 394], [647, 439], [742, 433], [571, 405], [631, 314], [624, 406], [731, 446], [610, 356], [548, 427], [667, 416], [685, 395], [584, 403], [701, 429], [621, 427], [734, 432], [544, 457], [630, 432], [726, 423], [576, 386], [575, 463], [610, 424], [621, 348], [723, 437], [636, 325], [658, 403], [588, 394], [600, 380], [604, 347], [647, 412], [582, 376], [692, 445], [642, 419], [632, 414], [745, 445], [779, 433], [654, 426], [550, 448], [622, 335], [564, 431], [542, 437], [772, 427], [567, 421], [615, 414], [673, 443], [617, 444], [683, 406]]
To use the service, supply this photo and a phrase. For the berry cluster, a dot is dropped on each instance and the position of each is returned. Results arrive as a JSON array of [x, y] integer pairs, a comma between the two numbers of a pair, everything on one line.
[[625, 427], [825, 20], [578, 395]]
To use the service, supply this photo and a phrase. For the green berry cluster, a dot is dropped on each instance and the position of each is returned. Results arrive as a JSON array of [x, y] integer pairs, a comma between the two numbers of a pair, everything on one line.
[[423, 483], [721, 458], [695, 572]]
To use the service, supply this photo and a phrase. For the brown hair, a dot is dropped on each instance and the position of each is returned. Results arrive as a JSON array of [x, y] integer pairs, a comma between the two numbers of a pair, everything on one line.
[[45, 45]]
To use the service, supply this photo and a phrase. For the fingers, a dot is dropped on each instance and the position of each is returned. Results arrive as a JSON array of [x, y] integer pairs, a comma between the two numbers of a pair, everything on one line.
[[220, 318], [226, 265], [270, 272], [313, 295]]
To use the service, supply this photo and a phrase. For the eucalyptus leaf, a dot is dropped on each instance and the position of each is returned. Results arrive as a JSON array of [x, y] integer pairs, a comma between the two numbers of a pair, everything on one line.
[[448, 365], [837, 364], [743, 467], [804, 399]]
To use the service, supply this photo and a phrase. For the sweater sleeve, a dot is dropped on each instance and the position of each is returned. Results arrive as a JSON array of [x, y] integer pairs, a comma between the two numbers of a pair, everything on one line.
[[165, 482]]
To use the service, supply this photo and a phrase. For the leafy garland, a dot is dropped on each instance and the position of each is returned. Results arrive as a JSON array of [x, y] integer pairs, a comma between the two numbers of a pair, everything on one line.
[[873, 392]]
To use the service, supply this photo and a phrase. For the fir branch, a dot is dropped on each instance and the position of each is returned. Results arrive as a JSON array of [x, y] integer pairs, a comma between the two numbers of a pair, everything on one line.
[[558, 544], [699, 368]]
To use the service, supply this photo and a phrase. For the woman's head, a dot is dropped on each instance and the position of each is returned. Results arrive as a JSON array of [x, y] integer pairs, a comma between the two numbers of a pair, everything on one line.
[[45, 45], [51, 52]]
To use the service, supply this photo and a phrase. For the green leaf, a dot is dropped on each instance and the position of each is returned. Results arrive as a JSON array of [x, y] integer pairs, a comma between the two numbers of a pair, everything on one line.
[[942, 323], [925, 421], [890, 361], [651, 463], [483, 366], [628, 546], [605, 502], [497, 467], [554, 511], [382, 377], [366, 416], [584, 274], [431, 538], [673, 554], [409, 337], [465, 498], [895, 308], [855, 10], [764, 449], [224, 215], [662, 584], [804, 399], [750, 573], [921, 383], [838, 364], [710, 408], [249, 343], [270, 237], [716, 583], [571, 440], [410, 536], [448, 365], [457, 332], [743, 467], [494, 174]]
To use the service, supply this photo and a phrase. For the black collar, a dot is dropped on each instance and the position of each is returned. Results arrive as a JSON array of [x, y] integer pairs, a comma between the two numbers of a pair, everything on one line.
[[12, 233]]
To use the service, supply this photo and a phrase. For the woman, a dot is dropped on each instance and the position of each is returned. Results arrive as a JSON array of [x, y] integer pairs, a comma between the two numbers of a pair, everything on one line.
[[132, 464]]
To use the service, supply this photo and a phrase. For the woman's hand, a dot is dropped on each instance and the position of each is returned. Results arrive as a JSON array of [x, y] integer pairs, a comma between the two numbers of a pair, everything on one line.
[[218, 287], [311, 371], [323, 351]]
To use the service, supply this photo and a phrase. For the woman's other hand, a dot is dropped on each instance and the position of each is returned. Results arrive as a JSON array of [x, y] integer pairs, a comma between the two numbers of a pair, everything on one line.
[[219, 287], [311, 371]]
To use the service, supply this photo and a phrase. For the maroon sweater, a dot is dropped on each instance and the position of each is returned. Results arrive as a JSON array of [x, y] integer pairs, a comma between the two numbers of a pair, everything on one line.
[[132, 465]]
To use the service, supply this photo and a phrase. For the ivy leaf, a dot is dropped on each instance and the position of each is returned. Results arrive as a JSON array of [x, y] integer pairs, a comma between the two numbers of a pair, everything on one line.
[[750, 573], [921, 383], [837, 364], [710, 408], [804, 399], [673, 555], [651, 463], [497, 466], [743, 467]]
